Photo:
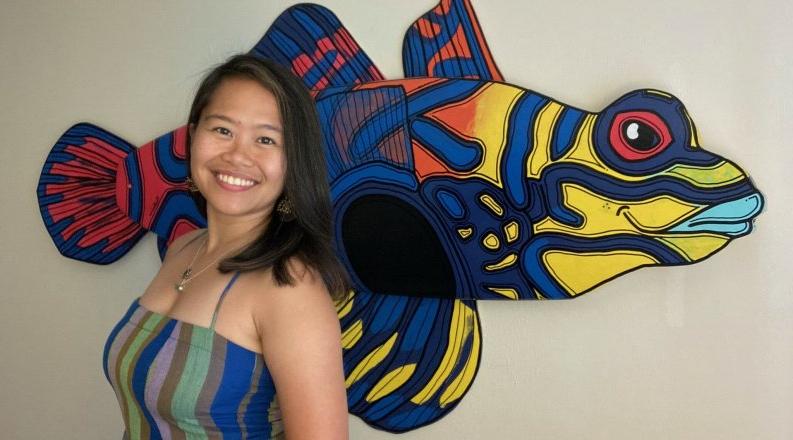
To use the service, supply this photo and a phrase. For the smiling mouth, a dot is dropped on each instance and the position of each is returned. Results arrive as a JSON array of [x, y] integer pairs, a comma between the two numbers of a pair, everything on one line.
[[239, 182], [732, 218]]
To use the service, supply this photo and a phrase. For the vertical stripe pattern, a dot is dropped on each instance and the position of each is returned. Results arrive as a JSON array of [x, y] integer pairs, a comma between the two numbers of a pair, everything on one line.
[[176, 380]]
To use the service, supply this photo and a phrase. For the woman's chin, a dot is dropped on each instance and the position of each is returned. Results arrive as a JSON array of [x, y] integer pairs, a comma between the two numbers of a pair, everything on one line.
[[231, 211]]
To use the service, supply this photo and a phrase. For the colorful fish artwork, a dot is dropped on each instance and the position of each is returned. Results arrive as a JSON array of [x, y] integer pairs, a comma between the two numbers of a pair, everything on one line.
[[449, 186]]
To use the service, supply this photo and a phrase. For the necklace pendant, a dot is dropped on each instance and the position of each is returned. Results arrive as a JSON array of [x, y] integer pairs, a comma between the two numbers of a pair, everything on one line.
[[180, 285], [185, 276]]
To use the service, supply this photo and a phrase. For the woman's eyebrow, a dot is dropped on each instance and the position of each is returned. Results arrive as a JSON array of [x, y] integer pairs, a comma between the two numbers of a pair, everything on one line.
[[269, 127], [236, 122], [222, 118]]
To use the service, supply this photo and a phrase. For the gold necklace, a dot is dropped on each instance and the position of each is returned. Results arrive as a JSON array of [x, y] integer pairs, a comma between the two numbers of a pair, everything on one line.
[[188, 274]]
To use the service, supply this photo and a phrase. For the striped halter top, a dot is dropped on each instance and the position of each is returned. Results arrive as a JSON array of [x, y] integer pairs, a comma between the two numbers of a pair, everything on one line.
[[176, 380]]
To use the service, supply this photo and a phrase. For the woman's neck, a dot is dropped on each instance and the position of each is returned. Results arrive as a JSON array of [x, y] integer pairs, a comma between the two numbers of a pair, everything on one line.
[[224, 232]]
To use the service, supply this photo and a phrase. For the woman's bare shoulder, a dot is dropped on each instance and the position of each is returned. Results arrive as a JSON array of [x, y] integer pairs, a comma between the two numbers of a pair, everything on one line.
[[303, 306], [305, 293]]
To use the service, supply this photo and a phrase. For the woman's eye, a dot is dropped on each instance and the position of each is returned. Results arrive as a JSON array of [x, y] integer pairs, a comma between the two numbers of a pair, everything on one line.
[[222, 131], [266, 140]]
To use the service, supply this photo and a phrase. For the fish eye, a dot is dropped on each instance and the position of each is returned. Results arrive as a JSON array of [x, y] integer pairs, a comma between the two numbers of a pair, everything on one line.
[[638, 135]]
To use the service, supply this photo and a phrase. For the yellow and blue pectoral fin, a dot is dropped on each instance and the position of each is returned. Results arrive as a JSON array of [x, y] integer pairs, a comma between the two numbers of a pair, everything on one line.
[[408, 360]]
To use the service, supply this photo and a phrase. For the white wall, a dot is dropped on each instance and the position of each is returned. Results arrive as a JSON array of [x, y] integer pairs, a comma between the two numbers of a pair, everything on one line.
[[704, 351]]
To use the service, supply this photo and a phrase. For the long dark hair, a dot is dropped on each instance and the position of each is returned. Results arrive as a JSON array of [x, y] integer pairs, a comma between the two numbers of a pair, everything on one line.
[[306, 233]]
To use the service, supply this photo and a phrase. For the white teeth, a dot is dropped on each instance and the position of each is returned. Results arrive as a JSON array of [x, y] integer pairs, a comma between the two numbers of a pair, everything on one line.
[[236, 181]]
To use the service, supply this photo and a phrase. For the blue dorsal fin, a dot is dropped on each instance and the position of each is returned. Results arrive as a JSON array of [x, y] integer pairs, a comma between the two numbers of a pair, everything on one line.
[[447, 42], [313, 43]]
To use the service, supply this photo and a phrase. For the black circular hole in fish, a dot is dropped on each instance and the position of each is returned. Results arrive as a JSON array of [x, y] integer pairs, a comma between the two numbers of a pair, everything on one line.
[[394, 250]]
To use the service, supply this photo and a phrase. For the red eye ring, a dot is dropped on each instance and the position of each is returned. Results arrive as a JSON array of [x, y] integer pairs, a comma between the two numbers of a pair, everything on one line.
[[651, 135]]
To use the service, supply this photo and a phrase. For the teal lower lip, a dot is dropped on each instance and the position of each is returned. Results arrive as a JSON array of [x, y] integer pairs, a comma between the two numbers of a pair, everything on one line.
[[729, 218]]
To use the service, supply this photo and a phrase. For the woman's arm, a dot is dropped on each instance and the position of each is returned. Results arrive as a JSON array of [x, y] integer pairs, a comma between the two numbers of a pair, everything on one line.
[[301, 341]]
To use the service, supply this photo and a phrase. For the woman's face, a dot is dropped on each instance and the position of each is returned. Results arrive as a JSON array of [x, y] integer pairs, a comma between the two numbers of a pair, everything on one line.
[[237, 152]]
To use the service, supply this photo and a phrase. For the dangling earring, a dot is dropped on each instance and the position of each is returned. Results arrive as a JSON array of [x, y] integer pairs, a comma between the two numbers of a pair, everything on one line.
[[284, 208], [191, 186]]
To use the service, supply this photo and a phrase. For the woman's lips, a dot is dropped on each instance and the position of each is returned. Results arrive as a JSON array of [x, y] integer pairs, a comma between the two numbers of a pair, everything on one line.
[[234, 183]]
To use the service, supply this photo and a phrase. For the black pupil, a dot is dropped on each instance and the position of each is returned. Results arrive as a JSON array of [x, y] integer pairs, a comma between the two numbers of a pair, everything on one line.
[[639, 135]]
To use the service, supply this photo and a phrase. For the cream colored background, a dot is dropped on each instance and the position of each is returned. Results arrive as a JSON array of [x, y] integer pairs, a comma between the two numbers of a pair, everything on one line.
[[698, 352]]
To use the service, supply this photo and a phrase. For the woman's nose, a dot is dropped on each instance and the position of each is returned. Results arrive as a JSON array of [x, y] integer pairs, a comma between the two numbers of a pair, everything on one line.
[[239, 152]]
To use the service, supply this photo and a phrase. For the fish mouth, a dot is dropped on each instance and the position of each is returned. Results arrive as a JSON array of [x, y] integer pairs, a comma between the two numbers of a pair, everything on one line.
[[733, 218]]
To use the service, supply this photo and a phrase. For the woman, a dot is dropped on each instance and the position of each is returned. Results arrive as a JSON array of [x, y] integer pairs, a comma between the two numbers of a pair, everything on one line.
[[242, 309]]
